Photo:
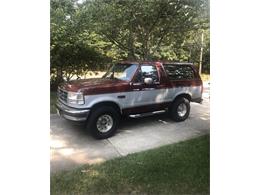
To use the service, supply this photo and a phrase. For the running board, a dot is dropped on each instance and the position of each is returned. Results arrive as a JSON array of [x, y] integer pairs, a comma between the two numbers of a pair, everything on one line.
[[146, 114]]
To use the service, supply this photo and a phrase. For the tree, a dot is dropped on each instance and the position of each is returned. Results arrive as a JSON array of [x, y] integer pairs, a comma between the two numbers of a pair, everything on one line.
[[70, 52], [146, 29]]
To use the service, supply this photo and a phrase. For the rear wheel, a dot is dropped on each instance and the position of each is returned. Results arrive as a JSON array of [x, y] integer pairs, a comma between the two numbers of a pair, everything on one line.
[[103, 122], [180, 109]]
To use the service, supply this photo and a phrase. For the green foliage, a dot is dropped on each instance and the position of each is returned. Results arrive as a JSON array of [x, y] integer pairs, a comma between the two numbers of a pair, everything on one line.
[[71, 53], [91, 34], [147, 29], [53, 96]]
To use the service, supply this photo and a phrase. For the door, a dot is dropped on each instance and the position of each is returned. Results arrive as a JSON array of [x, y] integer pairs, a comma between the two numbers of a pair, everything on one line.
[[146, 96]]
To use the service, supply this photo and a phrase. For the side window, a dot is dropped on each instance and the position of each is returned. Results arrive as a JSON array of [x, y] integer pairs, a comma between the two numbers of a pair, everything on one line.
[[179, 72], [149, 71]]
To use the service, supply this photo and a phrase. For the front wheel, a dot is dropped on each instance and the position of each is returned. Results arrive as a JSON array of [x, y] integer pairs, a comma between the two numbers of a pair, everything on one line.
[[103, 122], [180, 109]]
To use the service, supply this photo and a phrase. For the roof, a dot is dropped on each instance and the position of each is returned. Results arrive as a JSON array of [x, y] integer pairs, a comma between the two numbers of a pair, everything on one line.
[[154, 62], [137, 62], [179, 63]]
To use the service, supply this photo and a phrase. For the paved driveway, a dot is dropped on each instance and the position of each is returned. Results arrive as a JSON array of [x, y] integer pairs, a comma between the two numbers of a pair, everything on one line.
[[72, 146]]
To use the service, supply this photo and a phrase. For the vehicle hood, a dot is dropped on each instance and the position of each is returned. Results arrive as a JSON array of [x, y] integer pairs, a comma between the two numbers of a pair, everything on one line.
[[94, 84]]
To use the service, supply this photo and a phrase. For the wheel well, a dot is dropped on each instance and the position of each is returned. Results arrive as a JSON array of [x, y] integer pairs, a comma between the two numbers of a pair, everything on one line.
[[107, 103], [185, 95]]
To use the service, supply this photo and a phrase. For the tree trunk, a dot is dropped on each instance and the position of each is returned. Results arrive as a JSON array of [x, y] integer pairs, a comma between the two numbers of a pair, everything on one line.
[[146, 50], [59, 76], [131, 49]]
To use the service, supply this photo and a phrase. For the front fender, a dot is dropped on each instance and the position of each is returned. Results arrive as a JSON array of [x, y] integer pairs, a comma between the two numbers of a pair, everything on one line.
[[92, 100]]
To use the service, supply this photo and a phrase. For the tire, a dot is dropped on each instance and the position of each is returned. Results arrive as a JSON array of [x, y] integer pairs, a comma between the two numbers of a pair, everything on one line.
[[176, 112], [99, 123]]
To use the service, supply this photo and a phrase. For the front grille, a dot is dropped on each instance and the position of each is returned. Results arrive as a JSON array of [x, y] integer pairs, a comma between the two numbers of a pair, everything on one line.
[[62, 94]]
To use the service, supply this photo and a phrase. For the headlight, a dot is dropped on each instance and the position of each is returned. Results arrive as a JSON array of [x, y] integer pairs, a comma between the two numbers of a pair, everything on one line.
[[75, 98]]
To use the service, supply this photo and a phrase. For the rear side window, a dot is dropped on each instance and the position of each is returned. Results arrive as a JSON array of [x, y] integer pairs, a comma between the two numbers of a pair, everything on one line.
[[179, 72]]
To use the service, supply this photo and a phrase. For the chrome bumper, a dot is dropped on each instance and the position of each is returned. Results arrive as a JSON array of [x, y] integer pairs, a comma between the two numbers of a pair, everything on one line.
[[72, 114]]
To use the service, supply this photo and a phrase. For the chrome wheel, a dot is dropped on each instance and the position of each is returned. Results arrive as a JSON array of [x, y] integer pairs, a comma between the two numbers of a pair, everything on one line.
[[104, 123], [182, 109]]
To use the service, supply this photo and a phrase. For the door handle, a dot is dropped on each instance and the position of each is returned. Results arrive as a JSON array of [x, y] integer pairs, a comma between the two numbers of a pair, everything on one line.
[[121, 96]]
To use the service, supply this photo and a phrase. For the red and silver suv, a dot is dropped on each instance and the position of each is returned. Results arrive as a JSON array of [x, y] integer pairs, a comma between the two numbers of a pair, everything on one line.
[[130, 88]]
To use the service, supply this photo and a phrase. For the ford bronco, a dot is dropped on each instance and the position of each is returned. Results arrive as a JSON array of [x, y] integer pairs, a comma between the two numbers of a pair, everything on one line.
[[130, 88]]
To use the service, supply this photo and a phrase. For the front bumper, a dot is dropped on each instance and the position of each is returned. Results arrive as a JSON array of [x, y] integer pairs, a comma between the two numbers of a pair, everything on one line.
[[73, 114]]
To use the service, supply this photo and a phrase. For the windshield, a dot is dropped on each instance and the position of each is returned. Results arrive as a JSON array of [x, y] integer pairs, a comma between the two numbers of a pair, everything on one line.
[[121, 71]]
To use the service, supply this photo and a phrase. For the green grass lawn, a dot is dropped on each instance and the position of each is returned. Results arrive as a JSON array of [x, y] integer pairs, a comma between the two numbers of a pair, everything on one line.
[[181, 168], [52, 102]]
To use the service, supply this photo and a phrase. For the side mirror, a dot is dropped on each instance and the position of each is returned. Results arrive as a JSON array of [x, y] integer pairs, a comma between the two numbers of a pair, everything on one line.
[[148, 81]]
